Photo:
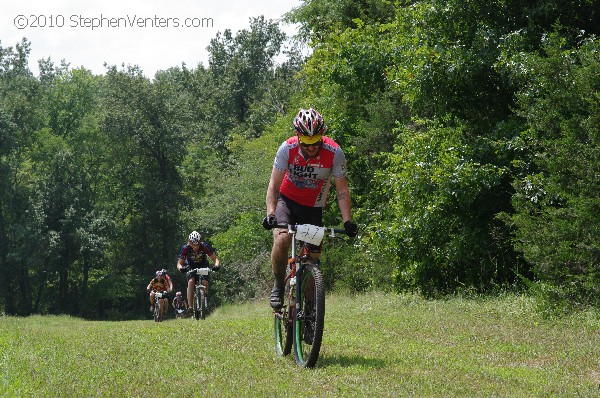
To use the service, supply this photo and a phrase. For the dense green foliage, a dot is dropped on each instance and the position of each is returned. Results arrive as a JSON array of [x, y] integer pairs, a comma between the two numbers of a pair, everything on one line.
[[470, 127], [455, 108]]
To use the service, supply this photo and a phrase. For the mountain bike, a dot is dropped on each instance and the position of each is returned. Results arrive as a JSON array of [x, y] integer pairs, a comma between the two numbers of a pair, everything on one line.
[[200, 304], [180, 309], [160, 306], [300, 321]]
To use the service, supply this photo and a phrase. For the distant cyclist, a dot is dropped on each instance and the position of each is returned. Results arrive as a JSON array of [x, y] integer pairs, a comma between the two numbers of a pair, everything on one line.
[[160, 283], [301, 176], [180, 305], [195, 254]]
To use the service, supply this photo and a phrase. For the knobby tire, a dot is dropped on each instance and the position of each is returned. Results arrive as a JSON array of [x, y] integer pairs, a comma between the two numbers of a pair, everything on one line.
[[283, 322], [197, 303], [157, 311], [202, 304], [309, 316]]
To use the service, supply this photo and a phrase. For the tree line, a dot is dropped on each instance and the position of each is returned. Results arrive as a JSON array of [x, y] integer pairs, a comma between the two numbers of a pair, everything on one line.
[[470, 128]]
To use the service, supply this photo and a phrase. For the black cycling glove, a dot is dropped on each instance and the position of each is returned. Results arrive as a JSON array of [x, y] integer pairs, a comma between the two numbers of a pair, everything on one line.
[[216, 268], [269, 222], [351, 229]]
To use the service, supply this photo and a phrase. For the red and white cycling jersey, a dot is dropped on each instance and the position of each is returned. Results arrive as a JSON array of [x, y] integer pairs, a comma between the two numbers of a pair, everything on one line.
[[159, 284], [307, 181]]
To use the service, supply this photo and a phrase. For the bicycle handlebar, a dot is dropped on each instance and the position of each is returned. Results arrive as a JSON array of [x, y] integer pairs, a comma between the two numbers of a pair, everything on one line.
[[329, 230], [201, 271]]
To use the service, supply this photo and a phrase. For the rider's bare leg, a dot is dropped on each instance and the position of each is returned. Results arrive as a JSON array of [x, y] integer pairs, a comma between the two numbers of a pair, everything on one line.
[[279, 254]]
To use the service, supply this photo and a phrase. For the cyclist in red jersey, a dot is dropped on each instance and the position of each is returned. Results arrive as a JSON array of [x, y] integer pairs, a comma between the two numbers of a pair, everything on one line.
[[161, 283], [298, 188]]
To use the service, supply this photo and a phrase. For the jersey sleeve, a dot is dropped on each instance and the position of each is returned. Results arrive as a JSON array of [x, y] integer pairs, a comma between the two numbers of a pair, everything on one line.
[[208, 249], [183, 252], [339, 164], [282, 157]]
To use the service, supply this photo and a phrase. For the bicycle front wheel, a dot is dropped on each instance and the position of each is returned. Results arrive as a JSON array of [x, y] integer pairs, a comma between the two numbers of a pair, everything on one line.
[[283, 322], [309, 316], [197, 300], [202, 304], [157, 310]]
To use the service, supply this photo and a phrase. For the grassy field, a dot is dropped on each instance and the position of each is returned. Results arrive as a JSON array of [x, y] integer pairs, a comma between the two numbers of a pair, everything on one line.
[[375, 345]]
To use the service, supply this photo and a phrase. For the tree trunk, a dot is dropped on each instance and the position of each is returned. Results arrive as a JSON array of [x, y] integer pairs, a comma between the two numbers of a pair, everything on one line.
[[7, 289], [84, 284]]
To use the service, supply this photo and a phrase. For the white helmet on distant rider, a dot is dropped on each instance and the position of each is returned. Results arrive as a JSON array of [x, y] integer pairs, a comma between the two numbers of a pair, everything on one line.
[[195, 237]]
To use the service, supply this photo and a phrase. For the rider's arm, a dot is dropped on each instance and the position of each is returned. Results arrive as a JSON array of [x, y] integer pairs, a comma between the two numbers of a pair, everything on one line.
[[215, 259], [170, 283], [180, 264], [149, 287], [343, 197], [273, 190]]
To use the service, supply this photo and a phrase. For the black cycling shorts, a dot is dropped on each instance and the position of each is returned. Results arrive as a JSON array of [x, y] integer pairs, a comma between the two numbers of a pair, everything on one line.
[[291, 212]]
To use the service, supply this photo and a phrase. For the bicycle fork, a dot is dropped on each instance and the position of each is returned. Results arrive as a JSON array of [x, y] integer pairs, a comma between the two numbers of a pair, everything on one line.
[[202, 288]]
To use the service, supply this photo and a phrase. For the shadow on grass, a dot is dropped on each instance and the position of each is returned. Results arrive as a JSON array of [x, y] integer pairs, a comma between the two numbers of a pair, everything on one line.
[[350, 361]]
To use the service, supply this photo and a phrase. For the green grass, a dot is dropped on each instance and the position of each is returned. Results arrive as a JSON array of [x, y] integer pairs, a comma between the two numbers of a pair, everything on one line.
[[375, 345]]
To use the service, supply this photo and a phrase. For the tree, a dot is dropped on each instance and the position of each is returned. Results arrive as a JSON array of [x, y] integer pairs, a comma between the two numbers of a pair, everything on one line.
[[442, 67], [19, 118], [557, 196], [241, 69], [150, 121]]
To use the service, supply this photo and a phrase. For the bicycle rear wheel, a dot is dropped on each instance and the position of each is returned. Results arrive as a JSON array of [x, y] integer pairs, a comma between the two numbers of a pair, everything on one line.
[[309, 316], [283, 321]]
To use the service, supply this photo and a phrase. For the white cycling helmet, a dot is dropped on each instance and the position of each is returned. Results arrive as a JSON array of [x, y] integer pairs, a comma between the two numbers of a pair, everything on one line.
[[195, 237], [309, 123]]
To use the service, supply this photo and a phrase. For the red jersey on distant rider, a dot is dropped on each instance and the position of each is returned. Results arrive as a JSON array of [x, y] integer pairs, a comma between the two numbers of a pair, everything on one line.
[[159, 284]]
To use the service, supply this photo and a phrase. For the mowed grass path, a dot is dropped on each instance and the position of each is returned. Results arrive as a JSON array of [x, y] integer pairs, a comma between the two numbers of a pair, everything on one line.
[[375, 345]]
